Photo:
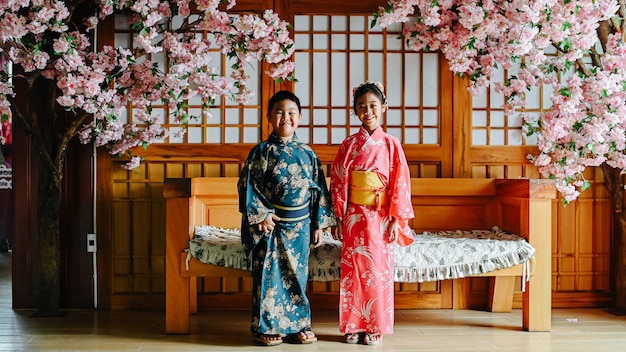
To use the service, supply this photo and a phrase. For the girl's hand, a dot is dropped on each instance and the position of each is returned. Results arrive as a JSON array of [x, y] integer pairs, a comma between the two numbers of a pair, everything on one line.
[[338, 231], [394, 228], [267, 226]]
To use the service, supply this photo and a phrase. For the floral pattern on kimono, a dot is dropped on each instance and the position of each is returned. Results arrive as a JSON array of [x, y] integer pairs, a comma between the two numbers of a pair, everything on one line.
[[285, 174], [367, 262]]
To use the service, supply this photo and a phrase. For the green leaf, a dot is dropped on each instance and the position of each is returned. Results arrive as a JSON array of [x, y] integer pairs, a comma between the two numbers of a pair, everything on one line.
[[586, 185], [374, 20], [568, 65], [577, 126], [472, 42], [577, 9], [566, 44]]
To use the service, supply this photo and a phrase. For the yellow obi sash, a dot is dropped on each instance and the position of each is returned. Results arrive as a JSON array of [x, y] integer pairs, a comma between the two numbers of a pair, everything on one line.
[[366, 188]]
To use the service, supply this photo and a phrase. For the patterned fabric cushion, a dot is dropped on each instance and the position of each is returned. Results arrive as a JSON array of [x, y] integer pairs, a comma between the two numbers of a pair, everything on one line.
[[431, 257]]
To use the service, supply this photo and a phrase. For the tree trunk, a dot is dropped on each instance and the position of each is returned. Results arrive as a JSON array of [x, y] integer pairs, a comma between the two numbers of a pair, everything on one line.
[[615, 184], [52, 151], [48, 205], [619, 255]]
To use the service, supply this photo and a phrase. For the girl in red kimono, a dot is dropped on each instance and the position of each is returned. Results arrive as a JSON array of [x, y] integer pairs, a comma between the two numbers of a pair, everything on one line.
[[370, 189]]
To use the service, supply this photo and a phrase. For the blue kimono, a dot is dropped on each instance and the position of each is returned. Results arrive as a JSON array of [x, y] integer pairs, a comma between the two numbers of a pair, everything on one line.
[[286, 179]]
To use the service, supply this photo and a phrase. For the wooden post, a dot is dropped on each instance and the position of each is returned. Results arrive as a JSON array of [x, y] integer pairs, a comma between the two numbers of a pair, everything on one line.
[[526, 208], [538, 294], [177, 206]]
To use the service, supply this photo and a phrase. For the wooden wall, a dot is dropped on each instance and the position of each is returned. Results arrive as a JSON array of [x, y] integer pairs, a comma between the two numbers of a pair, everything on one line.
[[130, 207]]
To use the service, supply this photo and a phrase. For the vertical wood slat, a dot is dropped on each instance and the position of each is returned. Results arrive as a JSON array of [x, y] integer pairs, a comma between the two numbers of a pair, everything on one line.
[[461, 127]]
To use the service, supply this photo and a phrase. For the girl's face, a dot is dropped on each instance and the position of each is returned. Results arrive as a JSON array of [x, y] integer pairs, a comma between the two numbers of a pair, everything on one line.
[[285, 118], [369, 110]]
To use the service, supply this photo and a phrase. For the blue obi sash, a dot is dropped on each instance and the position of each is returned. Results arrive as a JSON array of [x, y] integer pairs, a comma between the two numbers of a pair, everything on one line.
[[297, 213]]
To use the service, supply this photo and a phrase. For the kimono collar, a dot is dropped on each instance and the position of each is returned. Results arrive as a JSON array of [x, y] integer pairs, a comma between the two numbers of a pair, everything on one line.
[[275, 139], [377, 135]]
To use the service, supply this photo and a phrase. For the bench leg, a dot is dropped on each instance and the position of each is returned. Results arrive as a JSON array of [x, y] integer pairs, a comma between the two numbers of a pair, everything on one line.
[[501, 294], [537, 300], [176, 305], [193, 295]]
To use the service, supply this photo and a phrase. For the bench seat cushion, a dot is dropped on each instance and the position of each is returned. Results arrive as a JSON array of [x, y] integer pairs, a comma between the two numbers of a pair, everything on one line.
[[433, 256]]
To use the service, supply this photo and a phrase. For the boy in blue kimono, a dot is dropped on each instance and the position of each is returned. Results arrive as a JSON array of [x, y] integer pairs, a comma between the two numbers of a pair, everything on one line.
[[286, 206]]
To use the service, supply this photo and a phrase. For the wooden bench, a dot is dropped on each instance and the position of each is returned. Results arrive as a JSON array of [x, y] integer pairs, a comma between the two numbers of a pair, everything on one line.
[[518, 206]]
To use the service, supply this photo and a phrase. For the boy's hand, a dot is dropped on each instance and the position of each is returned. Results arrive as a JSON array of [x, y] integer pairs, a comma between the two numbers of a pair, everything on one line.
[[318, 238], [268, 224]]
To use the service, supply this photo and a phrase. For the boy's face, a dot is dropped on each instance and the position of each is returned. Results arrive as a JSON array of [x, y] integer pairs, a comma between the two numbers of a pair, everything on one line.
[[285, 118]]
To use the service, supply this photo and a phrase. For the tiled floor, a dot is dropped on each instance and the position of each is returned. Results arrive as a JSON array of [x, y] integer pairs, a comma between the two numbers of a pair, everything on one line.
[[415, 330]]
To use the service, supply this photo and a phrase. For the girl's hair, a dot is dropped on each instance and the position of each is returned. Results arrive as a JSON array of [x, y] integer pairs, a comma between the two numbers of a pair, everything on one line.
[[368, 87], [280, 96]]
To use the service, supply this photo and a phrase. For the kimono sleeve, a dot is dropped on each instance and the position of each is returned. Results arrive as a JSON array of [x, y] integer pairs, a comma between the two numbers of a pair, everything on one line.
[[322, 214], [399, 187], [253, 205], [339, 180]]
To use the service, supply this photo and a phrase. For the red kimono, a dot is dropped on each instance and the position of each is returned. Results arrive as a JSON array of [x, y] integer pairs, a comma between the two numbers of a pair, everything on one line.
[[367, 264]]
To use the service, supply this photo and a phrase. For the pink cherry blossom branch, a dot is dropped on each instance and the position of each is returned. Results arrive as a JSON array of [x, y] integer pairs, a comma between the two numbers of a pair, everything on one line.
[[52, 41]]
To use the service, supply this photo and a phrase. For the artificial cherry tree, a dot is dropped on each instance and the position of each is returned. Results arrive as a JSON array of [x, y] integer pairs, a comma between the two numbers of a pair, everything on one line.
[[586, 124], [47, 46]]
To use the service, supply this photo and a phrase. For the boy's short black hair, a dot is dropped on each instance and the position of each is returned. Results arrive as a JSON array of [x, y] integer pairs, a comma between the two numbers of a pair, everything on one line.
[[280, 96]]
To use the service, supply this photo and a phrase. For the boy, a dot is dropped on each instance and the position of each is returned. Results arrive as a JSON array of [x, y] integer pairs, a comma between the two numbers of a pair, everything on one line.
[[285, 205]]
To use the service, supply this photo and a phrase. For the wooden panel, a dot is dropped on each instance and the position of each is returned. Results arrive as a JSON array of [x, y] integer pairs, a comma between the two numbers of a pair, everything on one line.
[[198, 269], [442, 187], [449, 217], [121, 228], [451, 206], [584, 262], [566, 241], [157, 227], [501, 155]]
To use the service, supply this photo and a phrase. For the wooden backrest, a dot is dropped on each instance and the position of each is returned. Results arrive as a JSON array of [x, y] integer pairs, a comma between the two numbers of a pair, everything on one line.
[[453, 204], [215, 202], [439, 203]]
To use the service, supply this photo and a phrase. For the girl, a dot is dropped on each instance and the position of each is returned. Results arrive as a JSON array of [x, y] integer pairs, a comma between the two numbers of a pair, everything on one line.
[[371, 195]]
